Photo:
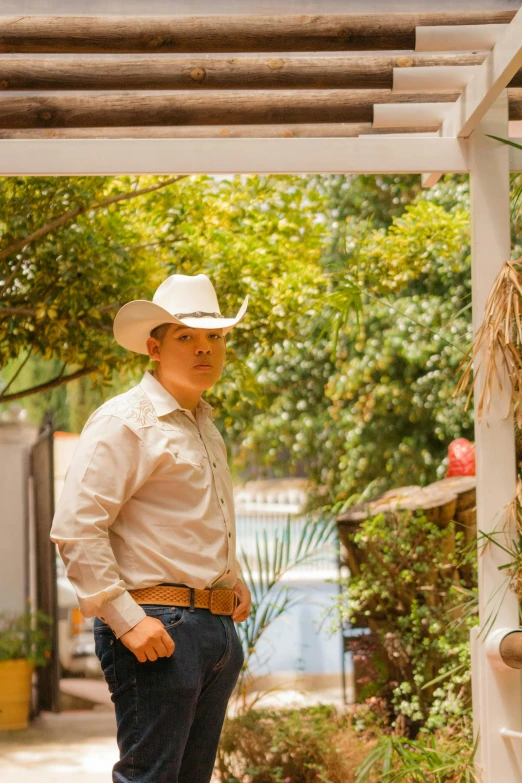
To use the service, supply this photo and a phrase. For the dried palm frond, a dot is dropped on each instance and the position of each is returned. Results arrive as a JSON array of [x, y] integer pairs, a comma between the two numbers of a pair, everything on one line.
[[514, 523], [497, 347]]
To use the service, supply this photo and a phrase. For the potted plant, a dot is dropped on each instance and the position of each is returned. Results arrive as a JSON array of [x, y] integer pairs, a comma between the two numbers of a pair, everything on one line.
[[25, 642]]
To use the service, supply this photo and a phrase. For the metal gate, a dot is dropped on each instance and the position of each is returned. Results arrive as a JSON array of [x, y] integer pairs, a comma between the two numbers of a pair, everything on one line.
[[42, 471]]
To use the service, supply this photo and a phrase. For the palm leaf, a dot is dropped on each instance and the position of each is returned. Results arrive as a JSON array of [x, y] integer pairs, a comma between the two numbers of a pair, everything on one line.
[[269, 600]]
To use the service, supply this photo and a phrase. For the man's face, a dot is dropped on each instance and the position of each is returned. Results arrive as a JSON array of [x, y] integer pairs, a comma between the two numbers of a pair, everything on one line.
[[191, 358]]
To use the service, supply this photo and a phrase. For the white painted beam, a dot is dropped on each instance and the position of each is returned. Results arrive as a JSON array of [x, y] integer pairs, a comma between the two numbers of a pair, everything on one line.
[[435, 78], [490, 79], [410, 115], [496, 695], [370, 155], [458, 38], [401, 135]]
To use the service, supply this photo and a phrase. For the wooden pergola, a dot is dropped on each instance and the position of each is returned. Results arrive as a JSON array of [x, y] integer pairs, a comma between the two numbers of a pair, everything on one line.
[[376, 93]]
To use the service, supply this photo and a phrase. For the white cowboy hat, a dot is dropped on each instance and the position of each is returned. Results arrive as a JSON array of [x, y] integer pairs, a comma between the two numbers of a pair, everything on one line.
[[180, 299]]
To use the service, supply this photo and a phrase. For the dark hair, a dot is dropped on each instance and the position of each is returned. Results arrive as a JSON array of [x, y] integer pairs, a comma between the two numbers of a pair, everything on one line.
[[159, 332]]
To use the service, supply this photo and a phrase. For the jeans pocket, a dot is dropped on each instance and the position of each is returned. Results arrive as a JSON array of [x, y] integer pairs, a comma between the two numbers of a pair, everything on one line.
[[170, 616], [175, 618]]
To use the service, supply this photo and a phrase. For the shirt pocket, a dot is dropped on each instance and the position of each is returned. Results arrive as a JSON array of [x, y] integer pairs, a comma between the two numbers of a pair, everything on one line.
[[183, 455]]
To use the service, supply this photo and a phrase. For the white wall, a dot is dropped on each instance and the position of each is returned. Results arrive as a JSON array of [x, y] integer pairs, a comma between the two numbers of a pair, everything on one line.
[[15, 442]]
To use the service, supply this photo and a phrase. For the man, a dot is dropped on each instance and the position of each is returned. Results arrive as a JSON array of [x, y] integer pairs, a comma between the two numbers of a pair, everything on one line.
[[146, 529]]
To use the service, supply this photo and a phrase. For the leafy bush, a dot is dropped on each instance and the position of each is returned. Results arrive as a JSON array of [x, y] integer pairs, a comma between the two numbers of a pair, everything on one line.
[[408, 593], [26, 636], [289, 746], [442, 758]]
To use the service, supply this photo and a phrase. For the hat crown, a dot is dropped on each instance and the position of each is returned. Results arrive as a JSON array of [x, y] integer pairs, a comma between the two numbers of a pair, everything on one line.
[[187, 294]]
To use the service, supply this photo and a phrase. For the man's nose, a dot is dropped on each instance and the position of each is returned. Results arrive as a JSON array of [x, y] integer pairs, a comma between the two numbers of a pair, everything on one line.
[[203, 347]]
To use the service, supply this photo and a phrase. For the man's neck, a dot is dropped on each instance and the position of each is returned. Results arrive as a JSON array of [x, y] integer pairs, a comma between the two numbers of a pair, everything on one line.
[[185, 398]]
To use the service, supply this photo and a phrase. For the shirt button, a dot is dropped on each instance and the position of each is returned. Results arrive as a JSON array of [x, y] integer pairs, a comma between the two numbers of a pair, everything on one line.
[[228, 571], [214, 464], [222, 500], [229, 535]]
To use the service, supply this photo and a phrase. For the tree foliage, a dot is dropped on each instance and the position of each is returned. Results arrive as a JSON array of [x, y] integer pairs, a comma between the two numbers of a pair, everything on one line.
[[61, 286], [71, 251], [380, 409], [359, 309]]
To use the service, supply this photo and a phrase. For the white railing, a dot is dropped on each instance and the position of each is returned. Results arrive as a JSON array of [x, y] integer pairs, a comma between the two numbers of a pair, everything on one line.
[[323, 563]]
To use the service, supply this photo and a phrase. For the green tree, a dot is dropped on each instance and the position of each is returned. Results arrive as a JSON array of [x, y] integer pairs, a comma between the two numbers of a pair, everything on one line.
[[381, 408], [256, 235], [71, 251]]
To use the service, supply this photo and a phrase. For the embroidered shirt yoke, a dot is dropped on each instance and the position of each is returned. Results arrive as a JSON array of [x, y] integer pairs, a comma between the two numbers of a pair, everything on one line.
[[147, 499]]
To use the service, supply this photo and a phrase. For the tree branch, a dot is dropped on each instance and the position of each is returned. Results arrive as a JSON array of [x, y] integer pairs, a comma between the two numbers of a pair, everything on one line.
[[74, 213], [30, 312], [52, 384], [20, 368]]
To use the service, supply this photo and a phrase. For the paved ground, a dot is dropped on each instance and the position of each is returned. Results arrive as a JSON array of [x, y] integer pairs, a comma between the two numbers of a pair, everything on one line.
[[79, 745], [74, 745]]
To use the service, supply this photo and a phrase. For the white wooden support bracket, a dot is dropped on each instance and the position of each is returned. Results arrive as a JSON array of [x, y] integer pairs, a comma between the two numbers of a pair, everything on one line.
[[429, 180], [490, 79], [410, 115], [458, 38], [432, 78]]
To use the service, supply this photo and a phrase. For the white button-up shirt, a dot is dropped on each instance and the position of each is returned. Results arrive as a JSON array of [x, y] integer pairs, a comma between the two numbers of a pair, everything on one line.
[[147, 499]]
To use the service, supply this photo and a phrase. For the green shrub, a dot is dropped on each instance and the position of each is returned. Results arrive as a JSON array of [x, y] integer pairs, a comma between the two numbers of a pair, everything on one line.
[[289, 746], [408, 591], [441, 758], [26, 635]]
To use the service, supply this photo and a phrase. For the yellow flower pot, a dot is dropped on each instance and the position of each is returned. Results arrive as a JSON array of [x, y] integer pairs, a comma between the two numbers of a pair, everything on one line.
[[15, 693]]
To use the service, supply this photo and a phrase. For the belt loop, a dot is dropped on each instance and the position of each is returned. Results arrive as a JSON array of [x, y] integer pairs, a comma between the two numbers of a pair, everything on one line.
[[192, 593]]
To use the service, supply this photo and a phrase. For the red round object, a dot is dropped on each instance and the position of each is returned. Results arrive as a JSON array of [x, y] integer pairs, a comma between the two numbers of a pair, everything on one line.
[[461, 455]]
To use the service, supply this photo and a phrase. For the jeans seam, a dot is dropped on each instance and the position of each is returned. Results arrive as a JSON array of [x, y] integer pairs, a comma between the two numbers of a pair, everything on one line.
[[226, 654], [135, 687]]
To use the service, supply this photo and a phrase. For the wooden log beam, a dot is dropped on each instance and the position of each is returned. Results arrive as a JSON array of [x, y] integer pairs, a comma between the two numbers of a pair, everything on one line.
[[234, 33], [316, 130], [89, 110], [289, 131], [164, 72]]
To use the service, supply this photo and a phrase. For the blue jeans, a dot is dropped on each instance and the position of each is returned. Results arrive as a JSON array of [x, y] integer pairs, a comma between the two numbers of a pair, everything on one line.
[[170, 712]]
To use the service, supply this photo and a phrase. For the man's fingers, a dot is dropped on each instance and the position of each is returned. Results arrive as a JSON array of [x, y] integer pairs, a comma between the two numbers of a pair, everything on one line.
[[163, 648], [166, 645]]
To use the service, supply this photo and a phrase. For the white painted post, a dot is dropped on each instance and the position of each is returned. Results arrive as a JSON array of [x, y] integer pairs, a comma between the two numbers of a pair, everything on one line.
[[497, 695], [16, 438]]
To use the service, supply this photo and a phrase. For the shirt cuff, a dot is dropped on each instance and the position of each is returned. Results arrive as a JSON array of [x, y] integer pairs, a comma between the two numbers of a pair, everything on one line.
[[122, 614]]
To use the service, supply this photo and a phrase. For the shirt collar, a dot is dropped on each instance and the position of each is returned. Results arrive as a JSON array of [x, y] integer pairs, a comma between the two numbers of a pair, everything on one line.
[[162, 400]]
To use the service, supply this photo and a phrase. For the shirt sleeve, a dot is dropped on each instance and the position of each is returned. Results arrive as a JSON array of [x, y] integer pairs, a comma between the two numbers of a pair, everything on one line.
[[109, 465]]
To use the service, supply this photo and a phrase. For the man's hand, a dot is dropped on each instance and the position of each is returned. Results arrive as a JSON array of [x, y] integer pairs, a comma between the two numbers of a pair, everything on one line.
[[242, 611], [148, 640]]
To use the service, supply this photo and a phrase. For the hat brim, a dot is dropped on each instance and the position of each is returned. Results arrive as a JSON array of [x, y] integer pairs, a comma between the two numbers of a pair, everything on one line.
[[134, 322]]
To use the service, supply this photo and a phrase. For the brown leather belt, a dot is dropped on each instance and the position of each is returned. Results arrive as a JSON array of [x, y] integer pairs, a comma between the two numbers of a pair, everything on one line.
[[220, 600]]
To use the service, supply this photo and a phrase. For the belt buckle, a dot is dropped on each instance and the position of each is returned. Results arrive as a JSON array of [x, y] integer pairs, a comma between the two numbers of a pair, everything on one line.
[[222, 597]]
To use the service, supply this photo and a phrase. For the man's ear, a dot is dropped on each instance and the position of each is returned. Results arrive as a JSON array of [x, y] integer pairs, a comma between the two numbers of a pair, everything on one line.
[[153, 348]]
